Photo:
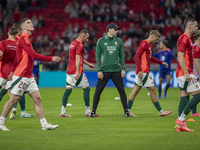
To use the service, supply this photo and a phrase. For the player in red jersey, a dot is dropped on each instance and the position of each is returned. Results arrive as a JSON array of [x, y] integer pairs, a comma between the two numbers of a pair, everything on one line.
[[188, 83], [143, 58], [23, 79], [196, 70], [11, 53], [75, 73]]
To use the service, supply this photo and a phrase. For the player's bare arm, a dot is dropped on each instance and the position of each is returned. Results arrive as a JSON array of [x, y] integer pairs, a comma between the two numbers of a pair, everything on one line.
[[182, 64], [196, 63], [89, 64], [78, 62]]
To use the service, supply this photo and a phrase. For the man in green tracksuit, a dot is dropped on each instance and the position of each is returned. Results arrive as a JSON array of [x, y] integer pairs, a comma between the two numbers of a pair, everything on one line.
[[109, 51]]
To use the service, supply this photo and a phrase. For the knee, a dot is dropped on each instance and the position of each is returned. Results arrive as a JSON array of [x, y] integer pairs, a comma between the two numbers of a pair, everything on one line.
[[37, 100], [152, 91]]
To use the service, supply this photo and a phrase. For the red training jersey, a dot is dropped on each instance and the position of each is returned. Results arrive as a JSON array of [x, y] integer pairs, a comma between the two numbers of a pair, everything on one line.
[[24, 57], [8, 47], [143, 57], [76, 48], [184, 45]]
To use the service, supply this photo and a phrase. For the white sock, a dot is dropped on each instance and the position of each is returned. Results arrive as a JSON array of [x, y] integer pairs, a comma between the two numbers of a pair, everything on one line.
[[87, 109], [182, 117], [2, 120], [43, 121], [23, 112], [63, 110]]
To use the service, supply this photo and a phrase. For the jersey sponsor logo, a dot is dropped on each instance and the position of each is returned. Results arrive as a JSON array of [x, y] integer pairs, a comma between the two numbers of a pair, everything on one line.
[[111, 49], [105, 43], [71, 46], [12, 47]]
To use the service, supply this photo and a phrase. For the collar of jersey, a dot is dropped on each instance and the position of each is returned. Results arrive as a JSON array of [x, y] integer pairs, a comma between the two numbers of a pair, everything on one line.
[[186, 34], [26, 34], [110, 37]]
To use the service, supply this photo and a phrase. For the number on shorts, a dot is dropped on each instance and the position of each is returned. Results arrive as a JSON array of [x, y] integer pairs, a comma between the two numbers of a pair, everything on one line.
[[194, 80], [22, 85]]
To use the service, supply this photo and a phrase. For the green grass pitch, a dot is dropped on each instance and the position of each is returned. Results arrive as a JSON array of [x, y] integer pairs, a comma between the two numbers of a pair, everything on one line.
[[110, 130]]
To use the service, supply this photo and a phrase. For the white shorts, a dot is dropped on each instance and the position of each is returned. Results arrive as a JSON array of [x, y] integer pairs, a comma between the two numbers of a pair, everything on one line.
[[3, 82], [191, 86], [146, 81], [71, 81], [19, 85]]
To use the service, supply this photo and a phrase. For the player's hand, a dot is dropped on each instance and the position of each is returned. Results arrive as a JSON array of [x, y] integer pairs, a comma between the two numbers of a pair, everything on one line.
[[187, 77], [56, 58], [165, 64], [77, 76], [10, 76], [123, 73], [91, 65], [100, 75], [140, 74]]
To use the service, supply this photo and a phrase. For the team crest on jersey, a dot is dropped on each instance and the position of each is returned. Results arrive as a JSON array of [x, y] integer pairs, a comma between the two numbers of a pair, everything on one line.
[[197, 86], [19, 91], [115, 43]]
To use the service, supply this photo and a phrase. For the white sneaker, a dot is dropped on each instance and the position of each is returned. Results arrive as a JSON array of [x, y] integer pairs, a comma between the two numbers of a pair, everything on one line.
[[3, 127], [49, 127]]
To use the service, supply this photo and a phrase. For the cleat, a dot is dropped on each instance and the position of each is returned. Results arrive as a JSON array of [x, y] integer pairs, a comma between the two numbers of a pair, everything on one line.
[[13, 113], [3, 127], [179, 130], [89, 113], [49, 127], [195, 115], [163, 113], [127, 114], [165, 95], [93, 114], [191, 120], [131, 114], [159, 97], [26, 115], [65, 115], [183, 125]]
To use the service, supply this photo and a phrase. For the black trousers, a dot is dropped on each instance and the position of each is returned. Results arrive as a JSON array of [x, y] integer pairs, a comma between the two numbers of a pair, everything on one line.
[[119, 83]]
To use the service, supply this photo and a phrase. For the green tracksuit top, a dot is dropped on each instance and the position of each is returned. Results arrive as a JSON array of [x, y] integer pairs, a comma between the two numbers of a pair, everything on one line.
[[108, 53]]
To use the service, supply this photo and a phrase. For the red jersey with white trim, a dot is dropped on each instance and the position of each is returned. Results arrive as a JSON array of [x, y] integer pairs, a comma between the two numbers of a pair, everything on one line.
[[8, 47], [24, 57], [144, 56], [184, 45], [76, 48], [196, 50]]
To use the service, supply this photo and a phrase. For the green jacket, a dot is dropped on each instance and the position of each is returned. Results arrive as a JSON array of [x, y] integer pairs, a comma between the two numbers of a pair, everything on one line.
[[109, 51]]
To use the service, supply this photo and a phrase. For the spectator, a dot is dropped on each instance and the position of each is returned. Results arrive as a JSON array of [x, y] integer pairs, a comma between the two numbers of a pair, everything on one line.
[[34, 21], [41, 22], [33, 4]]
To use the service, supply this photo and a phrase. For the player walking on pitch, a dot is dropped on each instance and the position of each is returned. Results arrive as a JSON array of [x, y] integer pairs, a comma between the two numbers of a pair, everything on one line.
[[23, 80], [143, 75], [187, 81], [75, 73], [165, 55]]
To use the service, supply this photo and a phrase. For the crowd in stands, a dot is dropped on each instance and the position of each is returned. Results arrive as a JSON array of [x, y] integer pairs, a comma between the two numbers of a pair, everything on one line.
[[138, 19]]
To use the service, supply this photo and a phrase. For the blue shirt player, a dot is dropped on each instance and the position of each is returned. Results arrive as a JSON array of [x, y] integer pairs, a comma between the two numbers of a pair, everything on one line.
[[165, 55], [36, 70]]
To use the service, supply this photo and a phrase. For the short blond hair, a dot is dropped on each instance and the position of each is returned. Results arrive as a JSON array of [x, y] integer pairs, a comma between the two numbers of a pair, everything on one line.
[[155, 32]]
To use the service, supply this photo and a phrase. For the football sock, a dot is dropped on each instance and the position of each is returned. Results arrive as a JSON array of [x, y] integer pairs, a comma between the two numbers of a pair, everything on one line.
[[22, 103], [2, 120], [87, 109], [191, 104], [157, 105], [194, 110], [86, 96], [130, 103], [2, 93], [63, 109], [182, 117], [159, 89], [65, 97], [167, 87], [43, 121], [183, 101]]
